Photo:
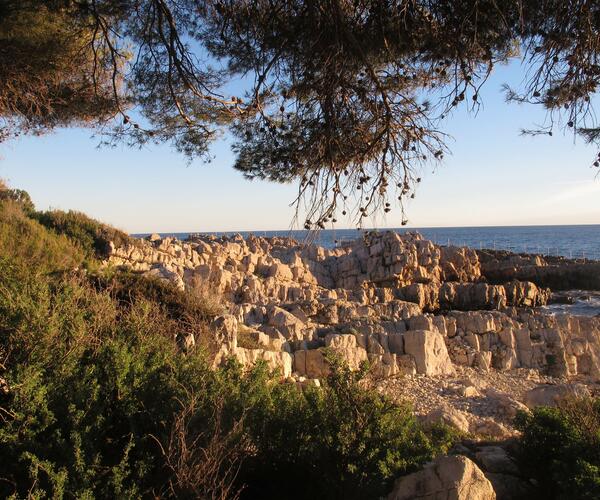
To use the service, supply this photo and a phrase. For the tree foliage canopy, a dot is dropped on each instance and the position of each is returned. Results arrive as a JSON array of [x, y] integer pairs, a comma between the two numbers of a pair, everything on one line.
[[347, 97]]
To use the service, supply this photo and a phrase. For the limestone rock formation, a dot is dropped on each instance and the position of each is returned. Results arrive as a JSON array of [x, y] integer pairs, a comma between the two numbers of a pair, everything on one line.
[[447, 478], [429, 352], [558, 273], [403, 304]]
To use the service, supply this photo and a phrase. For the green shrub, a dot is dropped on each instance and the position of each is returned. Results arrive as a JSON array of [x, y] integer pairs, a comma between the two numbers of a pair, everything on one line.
[[129, 286], [92, 236], [560, 448], [246, 339], [94, 388], [25, 240], [342, 441], [17, 196]]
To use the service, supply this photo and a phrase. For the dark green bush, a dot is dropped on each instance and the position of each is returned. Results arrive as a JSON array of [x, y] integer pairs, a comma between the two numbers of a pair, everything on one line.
[[95, 388], [560, 449], [343, 441]]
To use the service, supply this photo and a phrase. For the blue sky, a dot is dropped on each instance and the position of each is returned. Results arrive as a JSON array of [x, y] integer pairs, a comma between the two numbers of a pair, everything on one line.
[[493, 177]]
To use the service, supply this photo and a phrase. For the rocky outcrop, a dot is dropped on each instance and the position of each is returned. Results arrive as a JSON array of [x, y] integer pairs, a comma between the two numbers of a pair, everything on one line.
[[557, 273], [447, 478], [402, 303]]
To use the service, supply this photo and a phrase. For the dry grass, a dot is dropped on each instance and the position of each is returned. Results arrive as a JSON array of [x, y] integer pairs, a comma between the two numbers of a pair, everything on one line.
[[584, 414], [203, 463], [205, 298]]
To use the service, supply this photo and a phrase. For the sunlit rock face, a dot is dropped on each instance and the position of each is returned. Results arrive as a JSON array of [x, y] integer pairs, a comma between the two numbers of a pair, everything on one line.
[[404, 304]]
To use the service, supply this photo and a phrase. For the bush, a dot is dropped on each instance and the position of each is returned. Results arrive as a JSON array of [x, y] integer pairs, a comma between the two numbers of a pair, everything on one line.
[[17, 196], [92, 236], [127, 286], [560, 448], [94, 387], [342, 441], [25, 240]]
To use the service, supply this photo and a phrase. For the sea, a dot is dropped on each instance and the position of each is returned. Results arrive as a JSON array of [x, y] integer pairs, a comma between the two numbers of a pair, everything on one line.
[[575, 241], [581, 242]]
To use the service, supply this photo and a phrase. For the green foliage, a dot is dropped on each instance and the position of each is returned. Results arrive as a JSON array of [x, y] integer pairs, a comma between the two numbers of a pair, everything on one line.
[[246, 340], [351, 94], [92, 236], [25, 240], [560, 448], [52, 73], [177, 304], [73, 237], [93, 386], [342, 441], [18, 196]]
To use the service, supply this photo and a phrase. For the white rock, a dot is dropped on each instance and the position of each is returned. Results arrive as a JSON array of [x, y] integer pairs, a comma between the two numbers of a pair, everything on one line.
[[429, 351], [551, 395], [449, 416], [447, 478]]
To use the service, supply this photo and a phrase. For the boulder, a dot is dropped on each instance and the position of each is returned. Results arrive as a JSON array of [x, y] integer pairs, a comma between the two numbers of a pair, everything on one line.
[[276, 360], [226, 329], [311, 363], [495, 459], [489, 428], [286, 323], [429, 351], [448, 416], [504, 404], [406, 364], [452, 478], [526, 293], [551, 395], [162, 273]]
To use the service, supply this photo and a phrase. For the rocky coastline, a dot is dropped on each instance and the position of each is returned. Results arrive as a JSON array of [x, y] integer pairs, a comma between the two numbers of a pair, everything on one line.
[[461, 334], [413, 309]]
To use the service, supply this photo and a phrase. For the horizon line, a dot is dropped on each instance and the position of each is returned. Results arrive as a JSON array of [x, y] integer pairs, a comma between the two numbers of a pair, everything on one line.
[[405, 228]]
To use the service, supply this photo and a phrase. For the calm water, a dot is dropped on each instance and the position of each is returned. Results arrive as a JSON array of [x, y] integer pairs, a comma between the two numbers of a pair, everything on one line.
[[569, 241]]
